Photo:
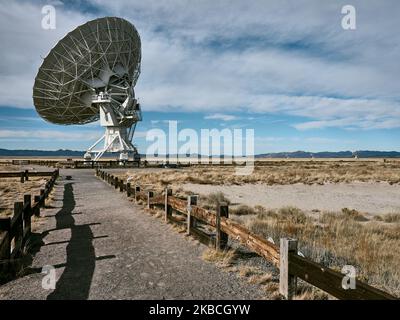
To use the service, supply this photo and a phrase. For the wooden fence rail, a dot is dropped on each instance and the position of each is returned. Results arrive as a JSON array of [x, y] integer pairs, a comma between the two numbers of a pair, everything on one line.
[[16, 230], [24, 175], [285, 257]]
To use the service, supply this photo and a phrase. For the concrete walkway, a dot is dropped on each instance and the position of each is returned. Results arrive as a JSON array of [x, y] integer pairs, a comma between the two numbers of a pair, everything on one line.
[[105, 247]]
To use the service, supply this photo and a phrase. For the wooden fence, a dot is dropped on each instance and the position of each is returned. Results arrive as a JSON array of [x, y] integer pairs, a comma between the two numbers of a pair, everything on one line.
[[82, 164], [24, 175], [16, 230], [285, 257], [77, 164]]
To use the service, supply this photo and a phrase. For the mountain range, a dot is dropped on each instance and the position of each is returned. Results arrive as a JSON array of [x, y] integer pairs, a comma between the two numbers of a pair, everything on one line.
[[295, 154]]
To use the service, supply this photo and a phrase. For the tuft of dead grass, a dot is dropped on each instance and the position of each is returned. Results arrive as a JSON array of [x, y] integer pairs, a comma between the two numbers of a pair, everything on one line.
[[243, 210], [310, 293], [389, 218], [222, 258], [212, 200]]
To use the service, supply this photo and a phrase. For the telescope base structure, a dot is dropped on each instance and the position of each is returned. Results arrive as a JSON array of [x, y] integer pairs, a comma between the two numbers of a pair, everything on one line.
[[119, 125], [115, 139]]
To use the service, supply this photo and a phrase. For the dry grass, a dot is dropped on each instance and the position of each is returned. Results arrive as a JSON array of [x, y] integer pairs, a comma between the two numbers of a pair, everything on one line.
[[212, 200], [261, 279], [12, 190], [389, 218], [222, 258], [243, 210], [228, 260], [337, 239], [309, 293], [275, 172]]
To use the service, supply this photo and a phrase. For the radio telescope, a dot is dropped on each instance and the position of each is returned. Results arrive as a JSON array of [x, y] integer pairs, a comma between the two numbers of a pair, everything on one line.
[[89, 75]]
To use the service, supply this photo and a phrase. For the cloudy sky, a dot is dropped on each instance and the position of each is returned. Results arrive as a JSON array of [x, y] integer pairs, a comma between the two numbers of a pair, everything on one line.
[[286, 69]]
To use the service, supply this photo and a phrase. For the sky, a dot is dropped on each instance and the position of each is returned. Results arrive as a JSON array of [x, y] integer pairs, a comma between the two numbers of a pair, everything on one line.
[[286, 69]]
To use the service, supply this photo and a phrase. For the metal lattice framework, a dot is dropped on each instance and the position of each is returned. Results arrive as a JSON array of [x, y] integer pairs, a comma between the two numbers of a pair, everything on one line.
[[102, 55]]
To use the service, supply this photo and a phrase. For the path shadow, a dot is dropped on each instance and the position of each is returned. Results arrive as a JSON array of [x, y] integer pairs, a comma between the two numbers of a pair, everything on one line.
[[76, 279]]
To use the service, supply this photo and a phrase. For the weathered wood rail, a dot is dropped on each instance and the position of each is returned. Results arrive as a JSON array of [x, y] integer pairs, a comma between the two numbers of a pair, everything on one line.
[[285, 257], [16, 230], [24, 175]]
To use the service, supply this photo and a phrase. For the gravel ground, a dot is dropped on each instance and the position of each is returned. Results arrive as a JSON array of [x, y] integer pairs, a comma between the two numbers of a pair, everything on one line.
[[105, 247]]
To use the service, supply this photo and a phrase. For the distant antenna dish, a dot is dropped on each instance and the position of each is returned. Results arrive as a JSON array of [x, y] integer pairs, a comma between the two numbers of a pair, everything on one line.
[[89, 75]]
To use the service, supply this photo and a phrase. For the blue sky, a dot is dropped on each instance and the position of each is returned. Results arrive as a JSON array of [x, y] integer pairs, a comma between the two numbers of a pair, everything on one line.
[[286, 69]]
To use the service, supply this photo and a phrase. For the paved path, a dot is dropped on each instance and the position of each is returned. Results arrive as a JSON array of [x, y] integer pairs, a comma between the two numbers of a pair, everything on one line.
[[105, 247]]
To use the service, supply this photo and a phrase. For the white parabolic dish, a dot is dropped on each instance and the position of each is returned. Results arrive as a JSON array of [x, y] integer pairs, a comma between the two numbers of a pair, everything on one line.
[[100, 57]]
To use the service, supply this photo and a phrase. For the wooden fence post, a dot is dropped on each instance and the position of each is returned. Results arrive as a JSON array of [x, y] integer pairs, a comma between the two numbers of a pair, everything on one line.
[[190, 221], [221, 238], [18, 220], [26, 215], [150, 195], [18, 215], [128, 189], [116, 183], [121, 185], [167, 207], [37, 211], [5, 251], [287, 282], [42, 196], [137, 190]]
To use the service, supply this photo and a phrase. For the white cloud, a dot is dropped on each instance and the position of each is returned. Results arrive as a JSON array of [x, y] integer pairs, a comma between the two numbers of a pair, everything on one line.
[[276, 57], [25, 43], [221, 116], [48, 135]]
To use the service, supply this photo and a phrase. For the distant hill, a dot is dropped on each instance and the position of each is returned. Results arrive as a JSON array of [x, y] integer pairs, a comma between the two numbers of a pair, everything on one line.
[[327, 154], [295, 154], [41, 153]]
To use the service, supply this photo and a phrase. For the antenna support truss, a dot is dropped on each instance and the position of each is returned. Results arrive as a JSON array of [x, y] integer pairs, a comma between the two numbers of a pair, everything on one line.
[[119, 124]]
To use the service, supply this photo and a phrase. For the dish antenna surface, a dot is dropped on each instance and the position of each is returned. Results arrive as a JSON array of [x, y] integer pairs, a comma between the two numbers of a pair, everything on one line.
[[90, 74]]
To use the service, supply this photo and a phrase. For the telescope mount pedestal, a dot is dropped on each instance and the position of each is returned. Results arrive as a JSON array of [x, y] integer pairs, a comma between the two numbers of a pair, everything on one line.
[[119, 128]]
